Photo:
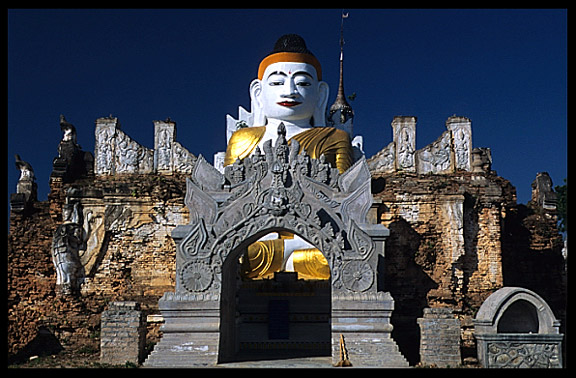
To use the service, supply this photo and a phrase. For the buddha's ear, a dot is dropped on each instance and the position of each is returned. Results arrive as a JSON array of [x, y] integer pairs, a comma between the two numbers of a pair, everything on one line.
[[320, 111], [256, 103]]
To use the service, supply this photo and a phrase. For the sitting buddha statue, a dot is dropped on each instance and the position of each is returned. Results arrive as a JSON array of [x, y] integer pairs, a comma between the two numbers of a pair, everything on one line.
[[289, 90]]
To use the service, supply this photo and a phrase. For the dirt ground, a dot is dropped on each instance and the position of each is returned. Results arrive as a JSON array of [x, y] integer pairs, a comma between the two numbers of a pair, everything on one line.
[[66, 359]]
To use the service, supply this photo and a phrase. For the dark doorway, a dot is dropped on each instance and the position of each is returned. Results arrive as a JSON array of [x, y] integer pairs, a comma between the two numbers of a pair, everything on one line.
[[278, 319], [280, 316]]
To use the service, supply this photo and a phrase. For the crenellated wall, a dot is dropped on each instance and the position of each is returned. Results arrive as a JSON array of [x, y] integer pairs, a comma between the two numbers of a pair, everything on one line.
[[451, 152], [117, 153]]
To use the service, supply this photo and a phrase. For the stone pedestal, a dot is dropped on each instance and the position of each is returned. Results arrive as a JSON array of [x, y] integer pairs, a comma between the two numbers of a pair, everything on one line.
[[191, 332], [123, 334], [364, 321], [439, 338]]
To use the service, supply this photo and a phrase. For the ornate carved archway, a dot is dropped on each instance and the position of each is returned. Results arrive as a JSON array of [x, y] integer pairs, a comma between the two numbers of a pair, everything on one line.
[[280, 189], [277, 190]]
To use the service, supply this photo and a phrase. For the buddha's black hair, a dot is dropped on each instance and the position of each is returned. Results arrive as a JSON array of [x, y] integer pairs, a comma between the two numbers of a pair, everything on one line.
[[291, 43]]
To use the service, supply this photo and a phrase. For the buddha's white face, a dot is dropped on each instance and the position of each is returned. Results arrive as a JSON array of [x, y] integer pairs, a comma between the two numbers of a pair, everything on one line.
[[290, 92]]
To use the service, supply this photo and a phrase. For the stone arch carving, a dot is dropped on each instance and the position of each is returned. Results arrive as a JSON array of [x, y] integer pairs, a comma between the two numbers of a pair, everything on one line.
[[279, 190], [497, 309], [203, 250]]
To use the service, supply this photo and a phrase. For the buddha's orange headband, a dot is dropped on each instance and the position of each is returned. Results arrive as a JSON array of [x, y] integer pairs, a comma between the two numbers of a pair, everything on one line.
[[289, 57]]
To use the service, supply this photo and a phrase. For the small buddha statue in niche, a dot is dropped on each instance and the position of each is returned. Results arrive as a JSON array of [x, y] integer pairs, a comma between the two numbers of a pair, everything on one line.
[[289, 90]]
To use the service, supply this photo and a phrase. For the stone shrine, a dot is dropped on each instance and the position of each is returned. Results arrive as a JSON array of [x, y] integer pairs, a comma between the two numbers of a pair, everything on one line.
[[279, 192], [515, 327], [293, 244]]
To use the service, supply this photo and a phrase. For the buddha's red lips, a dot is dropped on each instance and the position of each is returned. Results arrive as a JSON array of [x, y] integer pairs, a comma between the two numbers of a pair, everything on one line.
[[288, 103]]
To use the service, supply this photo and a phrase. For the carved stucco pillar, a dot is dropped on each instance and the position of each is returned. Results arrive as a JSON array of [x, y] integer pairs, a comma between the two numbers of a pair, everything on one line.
[[461, 129], [105, 148], [404, 130], [164, 137]]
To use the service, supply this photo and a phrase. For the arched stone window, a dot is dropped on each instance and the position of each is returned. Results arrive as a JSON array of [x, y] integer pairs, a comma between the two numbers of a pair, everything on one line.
[[516, 328]]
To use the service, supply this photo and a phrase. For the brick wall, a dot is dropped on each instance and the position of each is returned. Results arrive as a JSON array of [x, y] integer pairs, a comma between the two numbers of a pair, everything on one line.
[[439, 338], [122, 334], [133, 259]]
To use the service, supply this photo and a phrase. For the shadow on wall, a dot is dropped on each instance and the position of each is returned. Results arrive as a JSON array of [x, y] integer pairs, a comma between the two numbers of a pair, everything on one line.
[[408, 284], [44, 344], [532, 259]]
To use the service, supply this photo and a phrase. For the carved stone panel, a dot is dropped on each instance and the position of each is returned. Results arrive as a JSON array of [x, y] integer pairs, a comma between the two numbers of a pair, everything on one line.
[[404, 129], [105, 146], [436, 157], [461, 129], [117, 153], [131, 157], [164, 136], [384, 160]]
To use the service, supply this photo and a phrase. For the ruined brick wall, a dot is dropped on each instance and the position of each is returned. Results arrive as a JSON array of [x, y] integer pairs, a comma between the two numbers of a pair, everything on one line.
[[131, 256], [131, 252], [454, 239], [33, 304], [445, 234], [444, 248], [30, 273]]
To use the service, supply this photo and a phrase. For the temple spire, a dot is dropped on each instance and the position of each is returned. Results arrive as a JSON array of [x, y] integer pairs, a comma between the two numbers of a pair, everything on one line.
[[342, 120]]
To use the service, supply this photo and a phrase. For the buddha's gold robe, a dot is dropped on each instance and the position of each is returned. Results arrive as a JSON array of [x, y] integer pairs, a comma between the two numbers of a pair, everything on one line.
[[263, 258], [333, 143]]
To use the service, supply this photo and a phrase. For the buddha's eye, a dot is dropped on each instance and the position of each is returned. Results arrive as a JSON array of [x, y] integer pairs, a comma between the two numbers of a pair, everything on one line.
[[275, 80], [302, 80]]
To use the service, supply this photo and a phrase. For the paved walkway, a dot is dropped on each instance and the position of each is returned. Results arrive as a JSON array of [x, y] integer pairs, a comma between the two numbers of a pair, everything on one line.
[[279, 359], [283, 363]]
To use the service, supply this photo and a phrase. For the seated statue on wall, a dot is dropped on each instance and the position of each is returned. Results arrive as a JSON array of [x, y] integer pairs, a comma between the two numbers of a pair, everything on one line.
[[289, 90]]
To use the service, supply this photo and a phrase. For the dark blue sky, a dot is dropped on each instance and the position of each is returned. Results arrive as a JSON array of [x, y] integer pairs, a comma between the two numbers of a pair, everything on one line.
[[506, 70]]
